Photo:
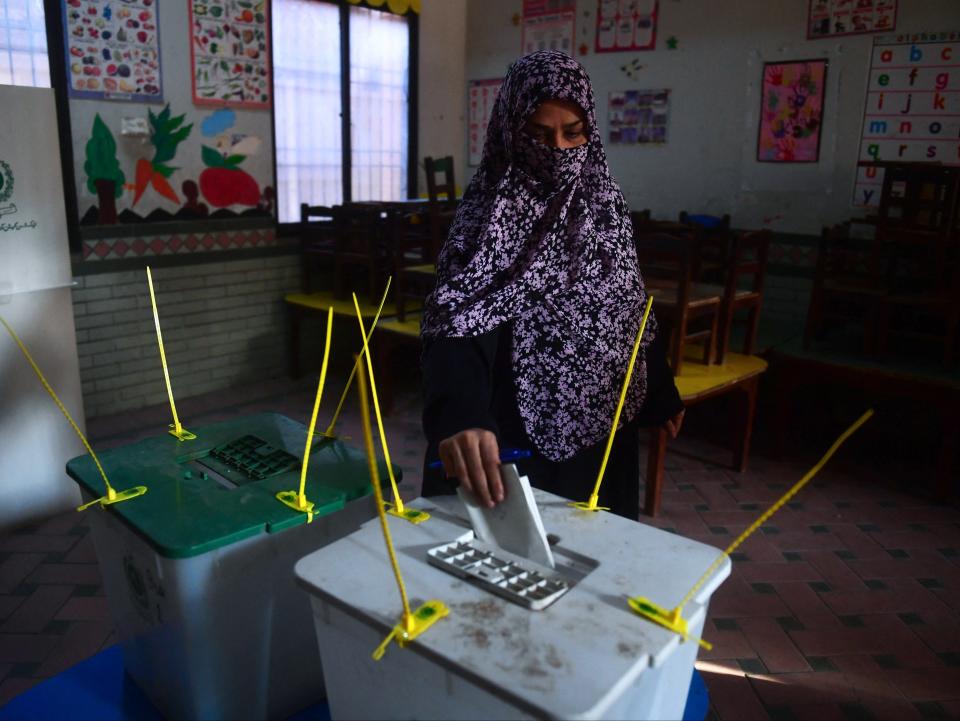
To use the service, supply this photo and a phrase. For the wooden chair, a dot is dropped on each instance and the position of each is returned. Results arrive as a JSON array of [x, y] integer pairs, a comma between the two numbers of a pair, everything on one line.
[[849, 283], [714, 239], [364, 240], [317, 241], [748, 262], [667, 264], [924, 297], [441, 210], [414, 280], [919, 196]]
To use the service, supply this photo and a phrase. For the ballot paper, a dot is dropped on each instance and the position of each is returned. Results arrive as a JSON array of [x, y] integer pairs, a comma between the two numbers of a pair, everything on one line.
[[514, 524]]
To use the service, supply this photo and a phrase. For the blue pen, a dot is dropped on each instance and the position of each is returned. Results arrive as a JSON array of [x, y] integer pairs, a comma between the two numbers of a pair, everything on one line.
[[506, 456]]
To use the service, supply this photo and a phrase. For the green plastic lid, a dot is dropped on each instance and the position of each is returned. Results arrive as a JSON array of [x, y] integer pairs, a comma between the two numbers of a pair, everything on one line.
[[221, 487]]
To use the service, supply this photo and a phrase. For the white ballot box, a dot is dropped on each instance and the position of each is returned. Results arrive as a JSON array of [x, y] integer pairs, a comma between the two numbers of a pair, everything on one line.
[[586, 655]]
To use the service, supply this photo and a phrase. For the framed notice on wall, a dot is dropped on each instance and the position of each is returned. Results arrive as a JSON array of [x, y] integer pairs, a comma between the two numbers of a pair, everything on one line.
[[624, 25], [548, 25], [481, 96], [791, 111], [113, 50], [230, 52], [912, 110], [830, 18], [639, 116]]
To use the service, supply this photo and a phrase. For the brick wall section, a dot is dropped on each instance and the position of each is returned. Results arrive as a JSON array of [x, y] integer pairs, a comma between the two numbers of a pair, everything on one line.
[[223, 324]]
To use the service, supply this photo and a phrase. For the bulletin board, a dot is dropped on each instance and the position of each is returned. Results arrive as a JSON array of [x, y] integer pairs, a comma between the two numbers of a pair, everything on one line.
[[833, 18], [912, 109], [112, 50], [625, 25], [480, 100], [230, 53], [639, 116], [548, 25]]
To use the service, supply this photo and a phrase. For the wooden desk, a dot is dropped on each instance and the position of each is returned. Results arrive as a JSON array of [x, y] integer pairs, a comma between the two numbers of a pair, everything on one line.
[[931, 389], [300, 305], [697, 383]]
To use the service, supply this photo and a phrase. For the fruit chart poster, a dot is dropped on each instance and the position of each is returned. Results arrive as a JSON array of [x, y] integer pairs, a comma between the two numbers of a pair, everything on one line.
[[230, 53], [113, 49]]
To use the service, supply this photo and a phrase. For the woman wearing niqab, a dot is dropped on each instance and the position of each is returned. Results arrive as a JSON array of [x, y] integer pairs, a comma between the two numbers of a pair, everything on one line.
[[528, 333]]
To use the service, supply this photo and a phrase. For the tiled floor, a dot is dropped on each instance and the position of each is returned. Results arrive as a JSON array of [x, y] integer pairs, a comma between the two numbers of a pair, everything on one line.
[[845, 605]]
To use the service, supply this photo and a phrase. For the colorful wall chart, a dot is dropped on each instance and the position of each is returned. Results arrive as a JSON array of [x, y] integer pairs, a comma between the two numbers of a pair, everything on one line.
[[912, 110], [230, 53], [830, 18], [548, 25], [791, 111], [626, 25], [480, 98], [113, 49], [639, 116]]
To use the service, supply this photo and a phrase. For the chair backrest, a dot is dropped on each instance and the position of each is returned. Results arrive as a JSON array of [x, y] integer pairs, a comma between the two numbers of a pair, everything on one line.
[[447, 186], [664, 256], [361, 229], [717, 223], [748, 260], [316, 227], [922, 196]]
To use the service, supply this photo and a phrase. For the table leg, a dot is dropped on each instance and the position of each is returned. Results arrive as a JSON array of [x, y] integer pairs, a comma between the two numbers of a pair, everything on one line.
[[655, 455], [747, 410], [293, 317]]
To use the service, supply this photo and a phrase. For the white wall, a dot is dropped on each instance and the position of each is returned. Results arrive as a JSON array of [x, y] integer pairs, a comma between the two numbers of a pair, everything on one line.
[[36, 441], [442, 85], [708, 164]]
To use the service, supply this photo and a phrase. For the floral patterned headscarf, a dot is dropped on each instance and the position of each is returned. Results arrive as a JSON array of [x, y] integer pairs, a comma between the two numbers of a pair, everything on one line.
[[542, 240]]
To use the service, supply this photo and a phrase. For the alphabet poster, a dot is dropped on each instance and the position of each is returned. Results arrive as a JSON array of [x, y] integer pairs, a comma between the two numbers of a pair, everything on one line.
[[624, 25], [791, 111], [112, 50], [482, 94], [830, 18], [912, 110]]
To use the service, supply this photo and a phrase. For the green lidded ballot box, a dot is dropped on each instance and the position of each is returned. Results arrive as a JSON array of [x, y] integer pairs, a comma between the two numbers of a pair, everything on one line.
[[199, 570]]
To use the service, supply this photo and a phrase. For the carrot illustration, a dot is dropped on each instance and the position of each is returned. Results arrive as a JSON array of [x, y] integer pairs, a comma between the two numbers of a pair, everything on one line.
[[161, 185], [167, 135], [144, 172]]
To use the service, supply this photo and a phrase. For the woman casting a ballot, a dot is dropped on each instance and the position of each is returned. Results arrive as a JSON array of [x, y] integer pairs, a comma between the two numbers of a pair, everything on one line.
[[528, 334]]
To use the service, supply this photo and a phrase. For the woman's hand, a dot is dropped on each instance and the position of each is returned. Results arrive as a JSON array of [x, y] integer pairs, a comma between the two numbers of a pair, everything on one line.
[[473, 457], [672, 426]]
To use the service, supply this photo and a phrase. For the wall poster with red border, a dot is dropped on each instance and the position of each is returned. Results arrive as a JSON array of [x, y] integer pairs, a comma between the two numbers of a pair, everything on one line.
[[481, 96], [230, 53], [832, 18], [624, 25]]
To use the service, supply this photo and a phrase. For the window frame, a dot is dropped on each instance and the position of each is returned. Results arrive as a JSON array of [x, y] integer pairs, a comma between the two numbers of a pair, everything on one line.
[[413, 28]]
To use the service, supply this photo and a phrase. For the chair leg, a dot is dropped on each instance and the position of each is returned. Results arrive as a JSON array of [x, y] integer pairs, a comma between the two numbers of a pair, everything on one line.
[[723, 336], [747, 411], [753, 328], [814, 313], [654, 487]]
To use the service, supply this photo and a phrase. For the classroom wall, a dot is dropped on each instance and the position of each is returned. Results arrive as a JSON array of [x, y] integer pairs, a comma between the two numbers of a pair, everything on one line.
[[708, 164], [223, 319], [442, 82], [239, 123], [223, 324]]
